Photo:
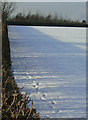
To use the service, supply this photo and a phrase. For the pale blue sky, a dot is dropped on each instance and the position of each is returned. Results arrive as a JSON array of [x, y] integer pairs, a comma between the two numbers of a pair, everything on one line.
[[72, 10]]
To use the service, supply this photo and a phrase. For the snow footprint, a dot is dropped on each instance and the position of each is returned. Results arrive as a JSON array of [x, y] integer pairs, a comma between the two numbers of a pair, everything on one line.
[[53, 102]]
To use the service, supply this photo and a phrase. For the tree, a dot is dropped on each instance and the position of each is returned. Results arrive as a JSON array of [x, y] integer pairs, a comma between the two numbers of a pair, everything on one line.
[[7, 9], [55, 18], [48, 18], [84, 21]]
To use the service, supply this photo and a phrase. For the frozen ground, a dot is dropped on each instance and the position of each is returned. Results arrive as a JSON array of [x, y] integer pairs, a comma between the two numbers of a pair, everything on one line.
[[50, 63]]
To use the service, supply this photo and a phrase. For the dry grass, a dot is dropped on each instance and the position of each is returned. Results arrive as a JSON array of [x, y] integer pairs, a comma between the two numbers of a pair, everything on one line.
[[14, 104]]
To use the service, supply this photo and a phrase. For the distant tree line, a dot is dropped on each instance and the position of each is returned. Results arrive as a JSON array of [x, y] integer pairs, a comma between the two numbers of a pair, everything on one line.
[[35, 19], [38, 19]]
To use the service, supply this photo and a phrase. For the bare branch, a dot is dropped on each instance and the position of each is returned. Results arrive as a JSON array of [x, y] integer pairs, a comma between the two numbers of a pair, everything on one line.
[[7, 9]]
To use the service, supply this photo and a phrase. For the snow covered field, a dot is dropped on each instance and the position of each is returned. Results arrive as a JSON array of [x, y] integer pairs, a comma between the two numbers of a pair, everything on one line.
[[50, 63]]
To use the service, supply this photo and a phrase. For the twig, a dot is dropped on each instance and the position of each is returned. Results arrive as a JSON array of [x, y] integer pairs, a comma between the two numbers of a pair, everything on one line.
[[30, 110], [12, 102], [21, 106]]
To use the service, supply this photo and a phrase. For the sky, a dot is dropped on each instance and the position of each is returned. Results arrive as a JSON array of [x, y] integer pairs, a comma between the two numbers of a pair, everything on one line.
[[50, 0], [72, 10]]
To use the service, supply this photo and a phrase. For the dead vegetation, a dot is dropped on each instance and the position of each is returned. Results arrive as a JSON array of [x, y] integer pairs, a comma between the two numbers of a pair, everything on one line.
[[15, 106]]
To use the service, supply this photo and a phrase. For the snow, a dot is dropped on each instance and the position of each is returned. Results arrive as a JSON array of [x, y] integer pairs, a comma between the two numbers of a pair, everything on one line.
[[50, 63]]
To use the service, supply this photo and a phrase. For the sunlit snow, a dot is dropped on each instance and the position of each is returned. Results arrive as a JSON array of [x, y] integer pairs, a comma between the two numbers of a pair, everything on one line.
[[50, 63]]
